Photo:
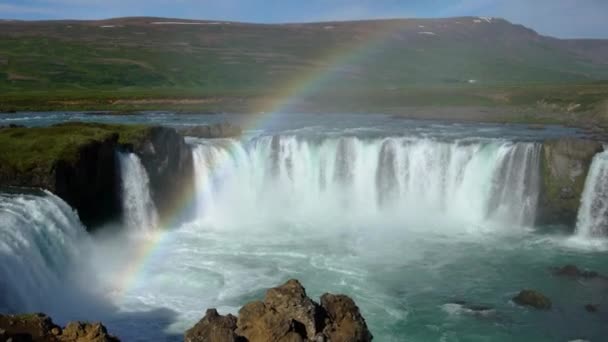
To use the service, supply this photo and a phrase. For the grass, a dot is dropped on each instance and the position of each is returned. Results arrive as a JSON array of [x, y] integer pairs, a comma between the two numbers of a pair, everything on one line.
[[374, 66], [25, 149]]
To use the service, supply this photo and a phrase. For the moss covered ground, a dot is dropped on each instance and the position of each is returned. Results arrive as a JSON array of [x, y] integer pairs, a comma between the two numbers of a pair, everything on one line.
[[23, 149]]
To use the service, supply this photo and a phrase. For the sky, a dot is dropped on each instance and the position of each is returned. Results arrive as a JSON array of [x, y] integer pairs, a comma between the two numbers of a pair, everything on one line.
[[559, 18]]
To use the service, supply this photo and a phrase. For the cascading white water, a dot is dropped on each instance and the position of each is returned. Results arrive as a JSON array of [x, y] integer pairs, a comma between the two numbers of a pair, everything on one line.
[[139, 211], [593, 213], [349, 179], [40, 238]]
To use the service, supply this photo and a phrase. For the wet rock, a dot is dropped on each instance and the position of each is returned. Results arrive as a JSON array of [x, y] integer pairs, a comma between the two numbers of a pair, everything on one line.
[[592, 308], [287, 314], [575, 272], [564, 166], [221, 130], [11, 126], [285, 311], [86, 332], [39, 327], [347, 324], [213, 327], [533, 299]]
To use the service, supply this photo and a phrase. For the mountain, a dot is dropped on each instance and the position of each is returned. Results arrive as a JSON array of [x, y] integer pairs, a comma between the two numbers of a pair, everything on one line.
[[179, 57]]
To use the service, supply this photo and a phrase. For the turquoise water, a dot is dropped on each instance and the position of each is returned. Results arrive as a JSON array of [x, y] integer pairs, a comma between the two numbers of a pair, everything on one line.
[[313, 211]]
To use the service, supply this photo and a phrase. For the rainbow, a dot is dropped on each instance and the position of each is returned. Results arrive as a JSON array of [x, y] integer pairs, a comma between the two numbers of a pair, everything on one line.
[[297, 88]]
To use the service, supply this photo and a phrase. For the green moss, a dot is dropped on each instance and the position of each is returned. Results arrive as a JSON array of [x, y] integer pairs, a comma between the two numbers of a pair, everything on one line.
[[24, 149]]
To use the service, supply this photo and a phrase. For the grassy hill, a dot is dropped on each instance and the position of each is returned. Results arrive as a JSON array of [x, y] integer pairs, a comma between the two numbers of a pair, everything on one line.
[[123, 63]]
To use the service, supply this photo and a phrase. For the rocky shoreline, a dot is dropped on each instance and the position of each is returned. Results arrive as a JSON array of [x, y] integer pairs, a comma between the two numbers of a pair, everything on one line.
[[286, 314]]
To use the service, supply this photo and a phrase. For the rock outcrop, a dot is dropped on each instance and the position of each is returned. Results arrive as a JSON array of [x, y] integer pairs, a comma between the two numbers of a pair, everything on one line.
[[214, 327], [572, 271], [592, 308], [286, 314], [564, 166], [77, 162], [39, 327], [168, 161], [533, 299], [221, 130]]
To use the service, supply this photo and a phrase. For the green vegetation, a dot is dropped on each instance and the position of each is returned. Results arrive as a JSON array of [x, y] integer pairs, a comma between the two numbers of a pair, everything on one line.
[[131, 64], [24, 149]]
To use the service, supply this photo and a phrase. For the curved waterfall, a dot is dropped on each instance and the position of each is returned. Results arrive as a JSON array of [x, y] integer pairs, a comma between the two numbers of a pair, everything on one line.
[[353, 178], [40, 238]]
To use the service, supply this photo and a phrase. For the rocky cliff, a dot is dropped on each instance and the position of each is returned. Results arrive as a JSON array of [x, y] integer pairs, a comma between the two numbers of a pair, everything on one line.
[[39, 327], [564, 167], [168, 161], [77, 162], [286, 314]]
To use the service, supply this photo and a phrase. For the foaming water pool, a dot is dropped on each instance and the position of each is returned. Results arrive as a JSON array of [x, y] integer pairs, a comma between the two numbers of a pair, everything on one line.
[[420, 222]]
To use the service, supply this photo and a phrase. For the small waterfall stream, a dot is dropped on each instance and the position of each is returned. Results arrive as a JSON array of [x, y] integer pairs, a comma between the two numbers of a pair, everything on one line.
[[139, 211], [593, 213]]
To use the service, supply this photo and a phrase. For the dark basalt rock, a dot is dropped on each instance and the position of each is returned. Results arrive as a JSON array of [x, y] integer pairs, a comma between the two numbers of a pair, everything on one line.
[[168, 161], [574, 272], [39, 327], [11, 126], [592, 308], [221, 130], [90, 184], [533, 299], [564, 166], [287, 314], [89, 180]]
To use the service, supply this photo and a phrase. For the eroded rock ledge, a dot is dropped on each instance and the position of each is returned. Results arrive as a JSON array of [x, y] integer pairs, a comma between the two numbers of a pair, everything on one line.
[[286, 314], [565, 164], [39, 327], [220, 130], [77, 162]]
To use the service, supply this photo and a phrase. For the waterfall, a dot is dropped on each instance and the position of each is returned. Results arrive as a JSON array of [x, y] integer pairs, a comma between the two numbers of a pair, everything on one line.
[[139, 210], [592, 218], [40, 239], [350, 178]]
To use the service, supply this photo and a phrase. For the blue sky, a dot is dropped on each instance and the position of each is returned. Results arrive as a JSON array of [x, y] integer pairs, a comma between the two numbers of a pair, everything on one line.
[[561, 18]]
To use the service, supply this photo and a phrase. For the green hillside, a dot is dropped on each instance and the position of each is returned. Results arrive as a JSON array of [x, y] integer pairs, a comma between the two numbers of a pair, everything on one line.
[[62, 63]]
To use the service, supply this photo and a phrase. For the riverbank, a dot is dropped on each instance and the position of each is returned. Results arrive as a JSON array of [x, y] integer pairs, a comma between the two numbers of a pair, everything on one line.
[[581, 105]]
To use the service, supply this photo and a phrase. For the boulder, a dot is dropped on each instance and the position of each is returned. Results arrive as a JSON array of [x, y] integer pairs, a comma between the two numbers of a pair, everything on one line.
[[345, 322], [221, 130], [285, 311], [167, 159], [574, 272], [39, 327], [592, 308], [213, 327], [564, 166], [286, 314], [85, 332], [533, 299]]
